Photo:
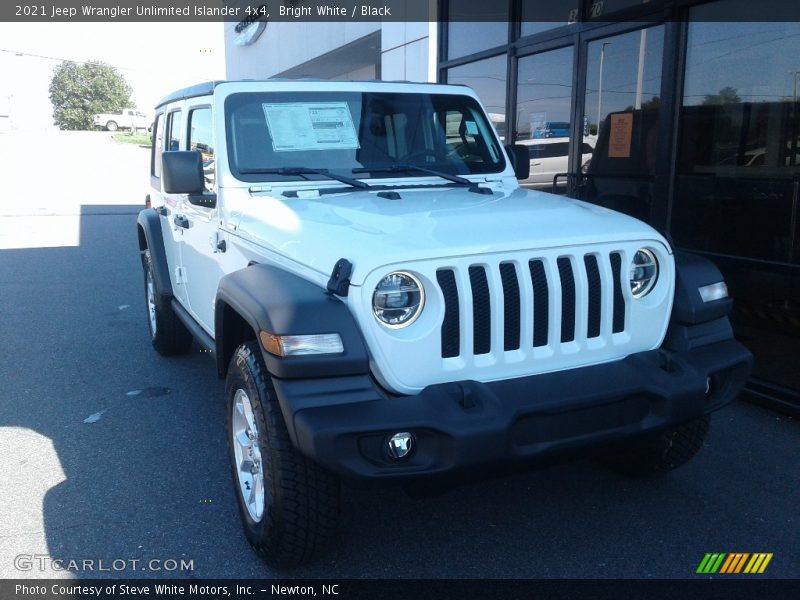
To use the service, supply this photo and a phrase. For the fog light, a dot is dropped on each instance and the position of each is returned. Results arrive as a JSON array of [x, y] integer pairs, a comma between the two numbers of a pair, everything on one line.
[[708, 386], [401, 445]]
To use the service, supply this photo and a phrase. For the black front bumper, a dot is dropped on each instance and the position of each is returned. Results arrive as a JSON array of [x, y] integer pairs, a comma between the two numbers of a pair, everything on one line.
[[343, 423]]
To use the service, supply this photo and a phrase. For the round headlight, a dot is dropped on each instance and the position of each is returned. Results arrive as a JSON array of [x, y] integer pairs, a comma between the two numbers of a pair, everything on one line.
[[643, 273], [398, 299]]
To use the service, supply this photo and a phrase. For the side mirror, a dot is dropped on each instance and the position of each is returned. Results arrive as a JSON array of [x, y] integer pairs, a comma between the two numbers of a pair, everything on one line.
[[182, 172], [519, 160]]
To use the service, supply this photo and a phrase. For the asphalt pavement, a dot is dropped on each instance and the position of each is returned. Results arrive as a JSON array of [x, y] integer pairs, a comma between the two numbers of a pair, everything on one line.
[[109, 452]]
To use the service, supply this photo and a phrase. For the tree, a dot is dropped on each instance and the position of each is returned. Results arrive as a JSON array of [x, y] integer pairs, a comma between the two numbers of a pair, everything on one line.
[[727, 95], [653, 103], [80, 90]]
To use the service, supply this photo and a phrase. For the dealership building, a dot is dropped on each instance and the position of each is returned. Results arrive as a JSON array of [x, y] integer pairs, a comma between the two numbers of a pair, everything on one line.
[[678, 112]]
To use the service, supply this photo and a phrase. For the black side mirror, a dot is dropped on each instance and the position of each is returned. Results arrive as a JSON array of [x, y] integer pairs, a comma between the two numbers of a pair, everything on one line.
[[519, 160], [182, 172]]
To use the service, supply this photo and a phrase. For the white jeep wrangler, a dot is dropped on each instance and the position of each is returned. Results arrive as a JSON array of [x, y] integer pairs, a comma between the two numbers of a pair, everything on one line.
[[387, 305]]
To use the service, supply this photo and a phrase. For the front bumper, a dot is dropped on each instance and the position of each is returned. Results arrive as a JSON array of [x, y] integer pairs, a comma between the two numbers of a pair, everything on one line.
[[343, 423]]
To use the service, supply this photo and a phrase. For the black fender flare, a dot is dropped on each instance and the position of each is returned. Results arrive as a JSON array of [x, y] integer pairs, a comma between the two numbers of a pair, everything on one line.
[[151, 238], [692, 272], [274, 300], [695, 323]]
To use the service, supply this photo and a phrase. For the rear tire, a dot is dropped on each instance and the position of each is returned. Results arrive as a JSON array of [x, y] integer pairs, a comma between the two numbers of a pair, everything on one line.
[[112, 126], [659, 453], [168, 334], [289, 505]]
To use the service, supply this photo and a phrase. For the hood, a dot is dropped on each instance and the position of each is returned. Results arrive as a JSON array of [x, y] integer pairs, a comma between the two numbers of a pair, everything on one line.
[[433, 222]]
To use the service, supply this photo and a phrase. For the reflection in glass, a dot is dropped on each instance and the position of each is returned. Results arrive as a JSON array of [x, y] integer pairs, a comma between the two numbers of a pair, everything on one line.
[[544, 94], [466, 37], [623, 74], [621, 111], [201, 140], [488, 78], [736, 192], [544, 112], [739, 132], [475, 25]]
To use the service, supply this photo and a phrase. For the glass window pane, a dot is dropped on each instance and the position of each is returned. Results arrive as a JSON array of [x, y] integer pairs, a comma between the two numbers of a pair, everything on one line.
[[623, 74], [739, 145], [736, 194], [622, 112], [544, 111], [174, 131], [466, 37], [475, 25], [488, 78], [544, 94], [372, 131], [158, 146], [200, 131], [201, 140]]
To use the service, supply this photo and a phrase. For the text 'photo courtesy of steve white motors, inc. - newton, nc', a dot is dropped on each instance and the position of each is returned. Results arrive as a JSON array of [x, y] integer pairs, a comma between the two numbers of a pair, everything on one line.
[[208, 9], [172, 590]]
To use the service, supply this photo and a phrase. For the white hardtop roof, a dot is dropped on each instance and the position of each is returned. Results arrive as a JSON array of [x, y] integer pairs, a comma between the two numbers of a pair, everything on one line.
[[283, 85]]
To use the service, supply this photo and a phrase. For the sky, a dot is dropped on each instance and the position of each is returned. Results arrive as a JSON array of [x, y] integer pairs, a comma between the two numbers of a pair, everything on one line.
[[155, 59]]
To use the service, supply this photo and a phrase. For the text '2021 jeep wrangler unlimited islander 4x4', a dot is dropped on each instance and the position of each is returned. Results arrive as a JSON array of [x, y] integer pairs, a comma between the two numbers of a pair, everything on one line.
[[387, 305]]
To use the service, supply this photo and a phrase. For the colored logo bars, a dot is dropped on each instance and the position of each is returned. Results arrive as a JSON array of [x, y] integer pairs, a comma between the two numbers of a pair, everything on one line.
[[736, 562]]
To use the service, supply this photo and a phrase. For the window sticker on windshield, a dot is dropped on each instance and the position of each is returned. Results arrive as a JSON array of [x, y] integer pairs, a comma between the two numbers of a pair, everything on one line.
[[310, 126], [472, 128]]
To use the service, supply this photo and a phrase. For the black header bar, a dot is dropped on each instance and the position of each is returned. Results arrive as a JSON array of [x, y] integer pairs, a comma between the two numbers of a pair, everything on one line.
[[416, 589], [340, 11]]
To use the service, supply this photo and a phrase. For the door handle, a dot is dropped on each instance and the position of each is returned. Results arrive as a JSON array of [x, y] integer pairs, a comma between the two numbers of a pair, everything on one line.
[[181, 221], [217, 244]]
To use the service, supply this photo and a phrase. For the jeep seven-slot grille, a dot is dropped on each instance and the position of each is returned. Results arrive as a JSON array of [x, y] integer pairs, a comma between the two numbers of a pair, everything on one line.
[[564, 281]]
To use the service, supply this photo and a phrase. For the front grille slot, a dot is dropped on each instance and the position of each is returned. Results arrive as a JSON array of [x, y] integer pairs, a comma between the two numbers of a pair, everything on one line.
[[618, 321], [595, 295], [451, 334], [481, 311], [541, 293], [511, 308], [567, 278]]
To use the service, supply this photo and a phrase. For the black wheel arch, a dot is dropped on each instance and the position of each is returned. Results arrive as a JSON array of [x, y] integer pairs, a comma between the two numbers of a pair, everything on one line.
[[148, 226], [267, 298], [691, 272]]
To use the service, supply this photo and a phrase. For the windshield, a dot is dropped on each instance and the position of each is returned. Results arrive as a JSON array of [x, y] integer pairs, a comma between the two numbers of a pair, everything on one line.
[[346, 132]]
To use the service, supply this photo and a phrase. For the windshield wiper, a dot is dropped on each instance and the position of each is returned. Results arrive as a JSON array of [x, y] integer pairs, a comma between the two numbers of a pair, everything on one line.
[[307, 171], [404, 168]]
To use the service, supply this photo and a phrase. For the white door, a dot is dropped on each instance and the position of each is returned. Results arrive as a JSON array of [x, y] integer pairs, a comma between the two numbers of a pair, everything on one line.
[[202, 249], [168, 131]]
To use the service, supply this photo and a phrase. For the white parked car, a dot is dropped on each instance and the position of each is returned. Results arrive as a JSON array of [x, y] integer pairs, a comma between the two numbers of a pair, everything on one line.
[[122, 119], [386, 305], [549, 157]]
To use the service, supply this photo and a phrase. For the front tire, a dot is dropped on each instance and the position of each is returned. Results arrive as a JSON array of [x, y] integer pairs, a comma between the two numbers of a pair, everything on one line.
[[659, 453], [288, 504], [168, 334]]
